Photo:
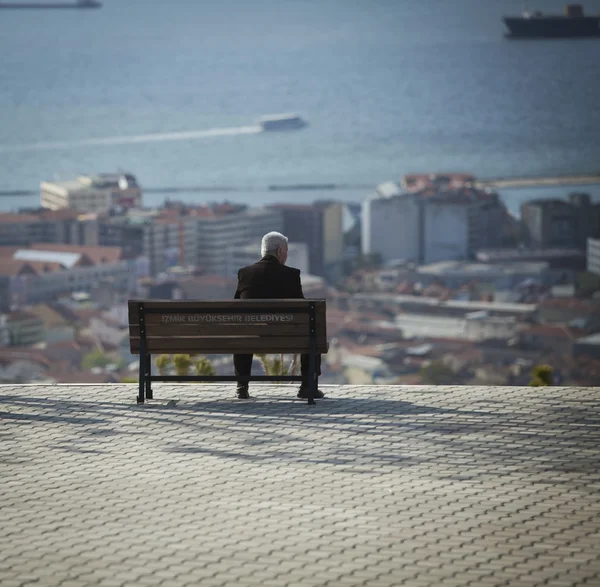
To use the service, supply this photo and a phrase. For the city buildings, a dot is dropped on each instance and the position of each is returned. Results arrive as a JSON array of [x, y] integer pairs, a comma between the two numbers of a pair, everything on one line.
[[211, 233], [429, 218], [48, 226], [24, 328], [42, 272], [559, 223], [92, 193], [320, 227], [557, 258]]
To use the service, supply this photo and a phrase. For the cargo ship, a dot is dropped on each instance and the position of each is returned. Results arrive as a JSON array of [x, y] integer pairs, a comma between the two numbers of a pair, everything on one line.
[[76, 4], [536, 25]]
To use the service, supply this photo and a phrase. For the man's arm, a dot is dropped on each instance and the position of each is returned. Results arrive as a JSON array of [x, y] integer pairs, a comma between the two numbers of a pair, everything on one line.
[[237, 295], [298, 293]]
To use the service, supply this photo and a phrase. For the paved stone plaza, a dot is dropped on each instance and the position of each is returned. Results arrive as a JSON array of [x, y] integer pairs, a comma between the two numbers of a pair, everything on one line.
[[376, 486]]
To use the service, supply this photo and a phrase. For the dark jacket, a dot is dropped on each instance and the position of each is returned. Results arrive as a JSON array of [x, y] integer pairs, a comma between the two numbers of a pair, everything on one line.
[[268, 279]]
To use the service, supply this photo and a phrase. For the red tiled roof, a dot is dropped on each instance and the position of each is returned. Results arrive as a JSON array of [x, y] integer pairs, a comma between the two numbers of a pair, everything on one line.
[[9, 217], [10, 267], [571, 304], [22, 315], [61, 214], [549, 330], [285, 206], [18, 353], [8, 252], [43, 266]]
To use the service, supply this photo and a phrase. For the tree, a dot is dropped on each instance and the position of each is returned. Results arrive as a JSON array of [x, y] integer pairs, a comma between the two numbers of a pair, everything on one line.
[[95, 358], [437, 373], [542, 376], [163, 362], [204, 367], [182, 364]]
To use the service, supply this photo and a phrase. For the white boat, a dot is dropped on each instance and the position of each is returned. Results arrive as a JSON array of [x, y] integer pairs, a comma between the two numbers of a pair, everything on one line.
[[282, 122]]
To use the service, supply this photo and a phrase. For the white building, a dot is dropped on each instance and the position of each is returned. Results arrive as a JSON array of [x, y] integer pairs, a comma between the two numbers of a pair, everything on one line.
[[501, 276], [593, 255], [391, 224], [438, 223], [92, 193], [481, 326], [475, 326]]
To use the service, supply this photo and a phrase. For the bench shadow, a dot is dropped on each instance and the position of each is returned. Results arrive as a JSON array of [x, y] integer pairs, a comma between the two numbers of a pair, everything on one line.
[[475, 442]]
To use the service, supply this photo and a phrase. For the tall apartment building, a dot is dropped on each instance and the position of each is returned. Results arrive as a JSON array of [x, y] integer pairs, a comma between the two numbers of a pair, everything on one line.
[[561, 223], [210, 235], [441, 221], [92, 193], [48, 226], [320, 227], [593, 255], [153, 236]]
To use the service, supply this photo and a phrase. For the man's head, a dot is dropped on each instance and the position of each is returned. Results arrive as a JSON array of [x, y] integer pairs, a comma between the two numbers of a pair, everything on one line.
[[275, 244]]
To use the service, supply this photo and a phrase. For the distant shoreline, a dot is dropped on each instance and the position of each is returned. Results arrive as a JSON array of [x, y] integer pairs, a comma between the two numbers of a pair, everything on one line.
[[533, 182], [494, 183]]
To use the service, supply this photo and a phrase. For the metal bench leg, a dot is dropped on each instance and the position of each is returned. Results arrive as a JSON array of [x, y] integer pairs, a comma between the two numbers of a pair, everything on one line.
[[312, 362], [144, 356], [148, 374], [142, 380], [312, 377]]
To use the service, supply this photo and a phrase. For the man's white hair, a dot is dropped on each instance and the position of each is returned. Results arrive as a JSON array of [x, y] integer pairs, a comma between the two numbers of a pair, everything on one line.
[[271, 242]]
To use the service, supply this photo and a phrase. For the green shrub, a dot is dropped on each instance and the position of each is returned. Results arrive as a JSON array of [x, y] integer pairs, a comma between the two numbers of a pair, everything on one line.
[[182, 364], [163, 362], [129, 380], [437, 373], [542, 375], [95, 358], [273, 366], [204, 367]]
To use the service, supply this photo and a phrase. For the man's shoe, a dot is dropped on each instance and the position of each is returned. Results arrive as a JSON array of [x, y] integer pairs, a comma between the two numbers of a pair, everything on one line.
[[303, 393], [242, 393]]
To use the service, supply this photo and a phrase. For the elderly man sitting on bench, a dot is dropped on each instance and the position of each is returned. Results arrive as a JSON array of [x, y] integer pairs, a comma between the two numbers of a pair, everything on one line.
[[270, 278]]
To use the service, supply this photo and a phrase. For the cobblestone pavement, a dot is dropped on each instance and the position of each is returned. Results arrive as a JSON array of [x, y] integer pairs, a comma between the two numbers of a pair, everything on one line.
[[376, 486]]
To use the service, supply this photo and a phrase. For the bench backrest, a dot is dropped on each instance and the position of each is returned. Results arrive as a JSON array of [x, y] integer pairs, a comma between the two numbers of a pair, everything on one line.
[[222, 327]]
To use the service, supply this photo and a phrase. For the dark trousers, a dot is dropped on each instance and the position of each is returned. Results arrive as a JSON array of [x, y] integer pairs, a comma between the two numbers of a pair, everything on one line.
[[243, 367]]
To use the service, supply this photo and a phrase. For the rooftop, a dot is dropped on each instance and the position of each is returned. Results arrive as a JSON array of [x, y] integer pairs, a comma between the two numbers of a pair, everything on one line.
[[376, 486], [592, 340], [481, 269], [415, 182], [494, 255], [67, 260], [506, 307], [111, 181]]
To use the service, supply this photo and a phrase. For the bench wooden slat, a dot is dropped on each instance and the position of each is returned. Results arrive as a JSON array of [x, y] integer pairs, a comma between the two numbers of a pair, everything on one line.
[[222, 345], [270, 329]]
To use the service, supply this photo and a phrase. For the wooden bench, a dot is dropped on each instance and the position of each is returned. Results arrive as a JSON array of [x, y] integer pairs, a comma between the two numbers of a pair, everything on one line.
[[225, 327]]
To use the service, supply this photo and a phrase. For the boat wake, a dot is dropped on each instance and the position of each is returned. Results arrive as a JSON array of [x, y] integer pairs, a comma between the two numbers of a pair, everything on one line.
[[136, 139]]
